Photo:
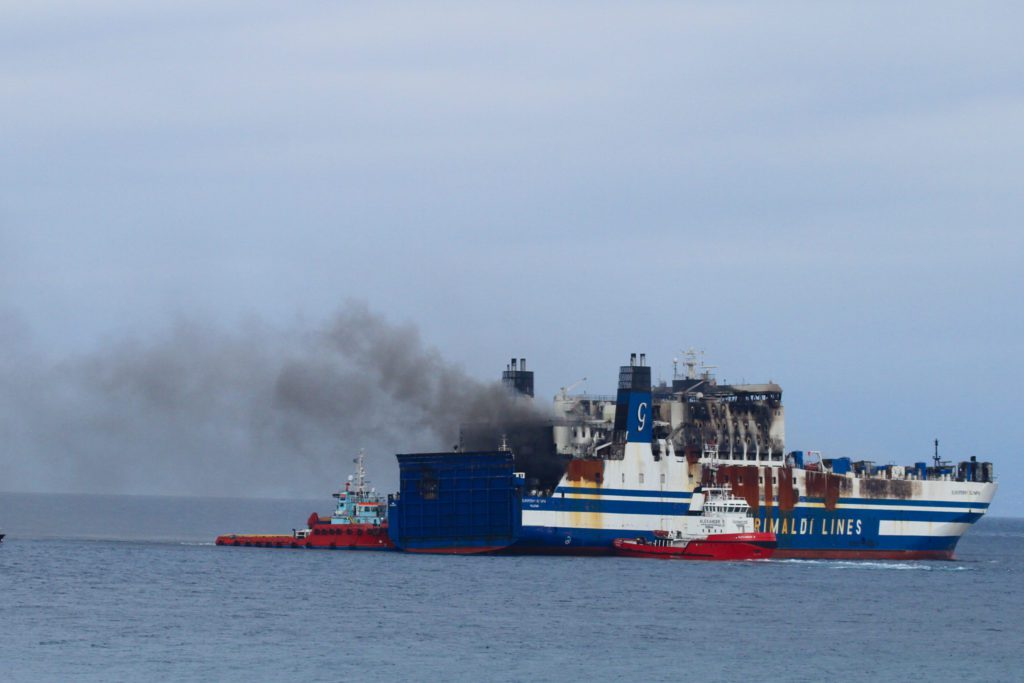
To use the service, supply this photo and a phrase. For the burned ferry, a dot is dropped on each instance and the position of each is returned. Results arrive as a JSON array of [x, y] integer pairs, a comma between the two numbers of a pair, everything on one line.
[[634, 464]]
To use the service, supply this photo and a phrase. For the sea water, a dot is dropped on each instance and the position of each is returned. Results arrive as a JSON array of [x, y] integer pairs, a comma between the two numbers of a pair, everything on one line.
[[121, 588]]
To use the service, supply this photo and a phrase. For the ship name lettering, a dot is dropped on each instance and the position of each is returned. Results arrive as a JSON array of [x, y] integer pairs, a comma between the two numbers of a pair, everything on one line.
[[847, 526], [841, 527]]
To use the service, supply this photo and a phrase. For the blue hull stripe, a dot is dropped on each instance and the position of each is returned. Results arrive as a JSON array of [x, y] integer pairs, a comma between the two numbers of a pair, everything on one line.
[[682, 495], [636, 507], [907, 503], [842, 501], [600, 540], [625, 507]]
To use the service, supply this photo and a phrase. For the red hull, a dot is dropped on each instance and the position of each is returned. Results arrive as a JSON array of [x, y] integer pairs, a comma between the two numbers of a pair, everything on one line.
[[719, 547], [322, 535]]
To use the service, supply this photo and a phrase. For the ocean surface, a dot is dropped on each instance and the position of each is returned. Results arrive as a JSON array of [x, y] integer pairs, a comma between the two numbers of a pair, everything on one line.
[[123, 588]]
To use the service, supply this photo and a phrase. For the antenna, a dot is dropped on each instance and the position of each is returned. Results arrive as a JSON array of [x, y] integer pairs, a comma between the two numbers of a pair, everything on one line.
[[936, 456], [361, 479], [691, 363], [695, 360]]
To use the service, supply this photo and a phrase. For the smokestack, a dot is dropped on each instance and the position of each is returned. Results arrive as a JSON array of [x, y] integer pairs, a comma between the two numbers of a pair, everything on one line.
[[633, 404], [518, 378], [643, 359]]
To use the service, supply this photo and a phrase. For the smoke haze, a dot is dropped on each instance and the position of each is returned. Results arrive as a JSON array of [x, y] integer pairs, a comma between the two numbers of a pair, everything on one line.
[[256, 411]]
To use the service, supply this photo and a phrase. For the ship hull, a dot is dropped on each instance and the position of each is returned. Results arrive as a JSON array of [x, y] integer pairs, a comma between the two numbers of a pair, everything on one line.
[[553, 541], [455, 550], [586, 520], [323, 536], [582, 541], [636, 462]]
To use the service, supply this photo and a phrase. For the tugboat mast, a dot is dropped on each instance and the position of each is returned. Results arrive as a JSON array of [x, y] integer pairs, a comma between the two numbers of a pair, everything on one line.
[[360, 476]]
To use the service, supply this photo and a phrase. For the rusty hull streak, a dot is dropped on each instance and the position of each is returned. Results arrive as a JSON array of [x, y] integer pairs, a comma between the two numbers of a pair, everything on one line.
[[787, 493], [707, 477], [828, 486], [591, 471], [886, 488], [742, 479], [694, 472]]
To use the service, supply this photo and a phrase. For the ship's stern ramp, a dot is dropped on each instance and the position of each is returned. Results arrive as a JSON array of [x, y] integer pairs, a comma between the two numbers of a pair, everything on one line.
[[456, 503]]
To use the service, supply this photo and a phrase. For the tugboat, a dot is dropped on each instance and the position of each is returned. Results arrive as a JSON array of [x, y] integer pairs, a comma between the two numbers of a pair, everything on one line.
[[724, 530], [359, 522]]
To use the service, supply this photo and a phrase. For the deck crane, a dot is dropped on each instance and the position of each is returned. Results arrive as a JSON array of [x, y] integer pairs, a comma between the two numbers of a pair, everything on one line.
[[563, 393]]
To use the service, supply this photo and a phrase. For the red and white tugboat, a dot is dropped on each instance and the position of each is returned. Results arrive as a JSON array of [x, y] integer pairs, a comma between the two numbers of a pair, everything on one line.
[[724, 530], [359, 522]]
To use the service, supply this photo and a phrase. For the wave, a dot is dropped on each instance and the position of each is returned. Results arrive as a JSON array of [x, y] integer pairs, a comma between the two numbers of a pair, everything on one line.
[[876, 565]]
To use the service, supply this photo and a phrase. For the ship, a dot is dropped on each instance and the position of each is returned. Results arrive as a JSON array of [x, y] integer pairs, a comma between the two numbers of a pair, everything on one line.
[[457, 503], [633, 464], [359, 522], [725, 530]]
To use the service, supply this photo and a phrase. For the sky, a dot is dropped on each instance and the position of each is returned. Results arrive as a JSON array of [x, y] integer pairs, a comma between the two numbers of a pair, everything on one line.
[[825, 195]]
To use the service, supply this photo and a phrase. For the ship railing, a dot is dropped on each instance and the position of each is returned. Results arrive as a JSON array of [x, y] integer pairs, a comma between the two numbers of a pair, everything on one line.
[[727, 459], [592, 397]]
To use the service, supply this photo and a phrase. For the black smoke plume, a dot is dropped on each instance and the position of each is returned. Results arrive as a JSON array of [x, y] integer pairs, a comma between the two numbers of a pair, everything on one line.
[[255, 411]]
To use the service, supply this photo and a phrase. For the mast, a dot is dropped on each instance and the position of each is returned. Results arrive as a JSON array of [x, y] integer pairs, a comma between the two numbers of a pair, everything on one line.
[[360, 471]]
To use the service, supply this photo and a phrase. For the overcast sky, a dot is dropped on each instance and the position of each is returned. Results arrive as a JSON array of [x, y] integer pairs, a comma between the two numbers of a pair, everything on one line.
[[825, 195]]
